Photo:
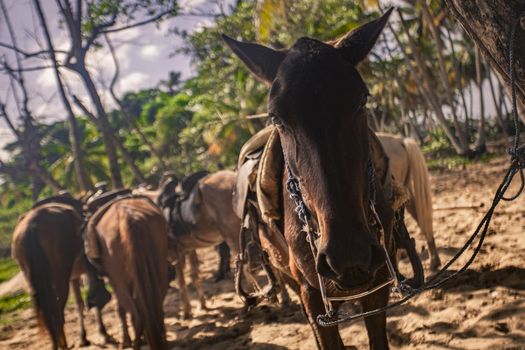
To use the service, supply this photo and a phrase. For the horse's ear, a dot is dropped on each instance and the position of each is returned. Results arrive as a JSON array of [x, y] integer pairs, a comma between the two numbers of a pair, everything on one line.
[[261, 60], [355, 45]]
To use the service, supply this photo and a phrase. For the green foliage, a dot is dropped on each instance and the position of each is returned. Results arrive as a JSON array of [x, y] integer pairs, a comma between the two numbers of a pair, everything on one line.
[[437, 144], [455, 161], [106, 13], [10, 304], [8, 268], [12, 206], [201, 124]]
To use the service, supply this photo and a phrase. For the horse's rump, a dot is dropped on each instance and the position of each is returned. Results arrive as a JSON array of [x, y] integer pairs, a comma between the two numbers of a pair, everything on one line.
[[47, 243], [133, 235]]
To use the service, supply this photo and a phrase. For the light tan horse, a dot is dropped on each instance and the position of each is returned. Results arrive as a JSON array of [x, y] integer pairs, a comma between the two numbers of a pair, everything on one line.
[[215, 222], [47, 244], [132, 240], [408, 166]]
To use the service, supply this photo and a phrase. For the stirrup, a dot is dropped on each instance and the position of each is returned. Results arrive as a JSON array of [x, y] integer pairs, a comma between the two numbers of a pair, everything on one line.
[[269, 291]]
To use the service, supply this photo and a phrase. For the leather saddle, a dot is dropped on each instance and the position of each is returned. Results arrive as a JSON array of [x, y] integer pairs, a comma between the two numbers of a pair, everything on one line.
[[62, 199], [180, 202]]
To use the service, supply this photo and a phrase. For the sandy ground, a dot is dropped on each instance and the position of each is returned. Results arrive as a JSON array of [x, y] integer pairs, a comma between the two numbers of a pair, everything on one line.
[[483, 309]]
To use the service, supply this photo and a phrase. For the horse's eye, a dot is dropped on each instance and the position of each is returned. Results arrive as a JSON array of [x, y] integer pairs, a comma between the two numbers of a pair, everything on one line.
[[274, 119], [365, 99]]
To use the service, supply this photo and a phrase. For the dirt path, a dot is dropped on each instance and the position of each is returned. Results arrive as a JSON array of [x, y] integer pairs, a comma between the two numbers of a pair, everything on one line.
[[484, 309]]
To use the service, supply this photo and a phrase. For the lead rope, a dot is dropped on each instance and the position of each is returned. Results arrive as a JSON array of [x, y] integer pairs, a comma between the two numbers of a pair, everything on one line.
[[517, 154]]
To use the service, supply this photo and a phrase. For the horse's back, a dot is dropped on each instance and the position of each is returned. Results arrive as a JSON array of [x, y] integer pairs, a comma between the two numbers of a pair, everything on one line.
[[216, 192], [221, 182], [397, 155]]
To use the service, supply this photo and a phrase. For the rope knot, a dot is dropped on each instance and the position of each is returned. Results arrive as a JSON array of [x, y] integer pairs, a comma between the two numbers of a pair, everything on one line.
[[517, 156]]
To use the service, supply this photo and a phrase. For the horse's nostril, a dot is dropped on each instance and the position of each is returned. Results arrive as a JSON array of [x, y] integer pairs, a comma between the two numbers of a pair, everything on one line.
[[323, 267]]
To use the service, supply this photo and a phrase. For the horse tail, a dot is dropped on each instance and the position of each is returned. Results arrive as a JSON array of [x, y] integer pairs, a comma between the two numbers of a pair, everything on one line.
[[44, 294], [418, 172], [148, 279]]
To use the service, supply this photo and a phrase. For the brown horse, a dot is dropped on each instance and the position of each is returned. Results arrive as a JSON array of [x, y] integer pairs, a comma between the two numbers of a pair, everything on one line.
[[317, 101], [47, 243], [131, 234], [408, 166]]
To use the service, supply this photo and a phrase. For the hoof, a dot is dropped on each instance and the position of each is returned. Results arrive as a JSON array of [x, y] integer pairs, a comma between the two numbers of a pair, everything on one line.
[[435, 264], [108, 339], [84, 342], [218, 277], [125, 344]]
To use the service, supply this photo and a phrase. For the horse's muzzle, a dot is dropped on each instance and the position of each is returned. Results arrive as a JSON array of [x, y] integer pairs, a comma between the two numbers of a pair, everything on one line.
[[348, 272]]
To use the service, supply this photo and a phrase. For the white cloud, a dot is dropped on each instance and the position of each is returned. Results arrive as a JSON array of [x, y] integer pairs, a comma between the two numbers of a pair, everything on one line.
[[133, 81], [189, 5], [127, 35], [150, 51], [46, 79]]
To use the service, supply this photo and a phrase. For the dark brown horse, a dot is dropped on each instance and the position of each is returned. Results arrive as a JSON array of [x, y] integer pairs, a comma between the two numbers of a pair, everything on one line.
[[131, 238], [317, 101], [47, 243]]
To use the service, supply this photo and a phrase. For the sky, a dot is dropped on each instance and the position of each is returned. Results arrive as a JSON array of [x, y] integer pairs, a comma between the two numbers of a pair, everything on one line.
[[146, 55]]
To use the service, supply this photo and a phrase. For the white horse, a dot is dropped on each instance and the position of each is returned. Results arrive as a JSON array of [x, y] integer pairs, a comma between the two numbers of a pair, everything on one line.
[[408, 166]]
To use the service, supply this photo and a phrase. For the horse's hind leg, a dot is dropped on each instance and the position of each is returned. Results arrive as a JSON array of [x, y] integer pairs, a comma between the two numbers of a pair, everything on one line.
[[101, 328], [376, 325], [195, 277], [435, 262], [183, 290], [138, 326], [75, 285], [126, 340]]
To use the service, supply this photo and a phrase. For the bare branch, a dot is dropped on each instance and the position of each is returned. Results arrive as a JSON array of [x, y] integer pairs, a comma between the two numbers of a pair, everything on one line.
[[25, 69], [140, 23], [3, 113], [84, 109], [28, 54], [127, 117], [99, 30]]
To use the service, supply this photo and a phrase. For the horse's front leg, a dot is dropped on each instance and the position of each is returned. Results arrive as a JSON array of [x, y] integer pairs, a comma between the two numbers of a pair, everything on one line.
[[327, 338], [126, 340], [195, 278], [181, 281], [376, 325], [285, 297]]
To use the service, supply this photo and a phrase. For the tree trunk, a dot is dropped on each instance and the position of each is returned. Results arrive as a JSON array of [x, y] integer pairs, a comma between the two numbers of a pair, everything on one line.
[[443, 72], [425, 88], [459, 73], [84, 182], [497, 105], [109, 133], [104, 126], [481, 146], [489, 22]]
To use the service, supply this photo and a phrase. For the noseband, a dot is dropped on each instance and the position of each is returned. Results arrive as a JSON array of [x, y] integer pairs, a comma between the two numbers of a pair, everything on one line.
[[398, 287]]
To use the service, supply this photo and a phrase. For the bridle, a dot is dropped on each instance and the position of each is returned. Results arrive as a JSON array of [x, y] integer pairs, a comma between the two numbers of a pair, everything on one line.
[[312, 237], [517, 166]]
